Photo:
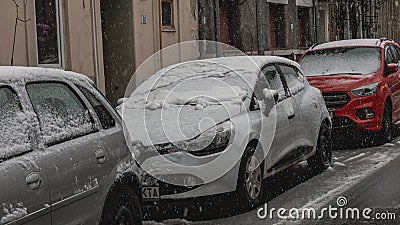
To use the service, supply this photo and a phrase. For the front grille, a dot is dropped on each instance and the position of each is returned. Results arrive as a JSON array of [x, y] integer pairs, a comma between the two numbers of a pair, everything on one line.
[[336, 100]]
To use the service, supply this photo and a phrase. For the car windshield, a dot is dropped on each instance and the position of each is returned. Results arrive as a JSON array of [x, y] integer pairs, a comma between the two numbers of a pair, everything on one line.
[[337, 61]]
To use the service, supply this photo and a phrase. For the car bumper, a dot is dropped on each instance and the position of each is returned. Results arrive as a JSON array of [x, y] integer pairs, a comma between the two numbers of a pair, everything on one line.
[[350, 117], [172, 184]]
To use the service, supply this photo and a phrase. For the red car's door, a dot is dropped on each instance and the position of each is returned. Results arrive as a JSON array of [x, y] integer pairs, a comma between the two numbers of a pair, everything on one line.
[[393, 79]]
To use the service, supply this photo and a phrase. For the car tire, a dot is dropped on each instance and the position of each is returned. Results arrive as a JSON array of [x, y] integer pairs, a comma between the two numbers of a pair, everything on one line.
[[323, 156], [122, 207], [250, 186], [386, 133]]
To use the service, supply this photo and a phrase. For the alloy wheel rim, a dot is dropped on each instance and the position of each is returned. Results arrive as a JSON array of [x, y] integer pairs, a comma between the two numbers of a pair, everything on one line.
[[253, 178]]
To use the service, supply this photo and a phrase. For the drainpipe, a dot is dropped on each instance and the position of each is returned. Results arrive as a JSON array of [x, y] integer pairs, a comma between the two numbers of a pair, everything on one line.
[[26, 36], [315, 21], [202, 30], [160, 33], [94, 33], [217, 29], [372, 11], [260, 28]]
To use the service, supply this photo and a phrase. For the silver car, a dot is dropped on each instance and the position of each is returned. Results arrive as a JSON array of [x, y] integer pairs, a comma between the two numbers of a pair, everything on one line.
[[222, 125], [63, 155]]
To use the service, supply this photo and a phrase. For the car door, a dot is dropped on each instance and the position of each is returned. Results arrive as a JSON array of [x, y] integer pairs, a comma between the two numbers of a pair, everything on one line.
[[392, 56], [113, 144], [24, 191], [283, 112], [308, 111], [74, 149]]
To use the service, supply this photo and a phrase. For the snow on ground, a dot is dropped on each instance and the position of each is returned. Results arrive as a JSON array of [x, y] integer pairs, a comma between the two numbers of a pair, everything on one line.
[[355, 157]]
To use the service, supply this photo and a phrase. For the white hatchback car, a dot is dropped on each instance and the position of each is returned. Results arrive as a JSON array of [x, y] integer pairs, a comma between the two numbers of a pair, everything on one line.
[[221, 125]]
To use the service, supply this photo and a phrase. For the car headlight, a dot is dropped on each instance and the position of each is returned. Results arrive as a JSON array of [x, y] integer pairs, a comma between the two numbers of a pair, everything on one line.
[[211, 141], [367, 90]]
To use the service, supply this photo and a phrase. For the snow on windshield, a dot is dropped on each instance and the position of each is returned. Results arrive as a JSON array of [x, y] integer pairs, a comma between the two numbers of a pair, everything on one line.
[[198, 83], [357, 61]]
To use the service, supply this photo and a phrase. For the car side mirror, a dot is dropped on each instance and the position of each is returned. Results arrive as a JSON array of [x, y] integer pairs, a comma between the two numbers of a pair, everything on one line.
[[270, 99], [270, 94], [391, 68]]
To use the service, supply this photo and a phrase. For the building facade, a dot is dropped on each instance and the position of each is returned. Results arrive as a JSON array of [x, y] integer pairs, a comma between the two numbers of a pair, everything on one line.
[[270, 27], [351, 19], [104, 39]]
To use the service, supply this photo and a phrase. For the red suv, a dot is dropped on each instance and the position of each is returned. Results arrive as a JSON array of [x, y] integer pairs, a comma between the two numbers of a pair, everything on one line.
[[360, 82]]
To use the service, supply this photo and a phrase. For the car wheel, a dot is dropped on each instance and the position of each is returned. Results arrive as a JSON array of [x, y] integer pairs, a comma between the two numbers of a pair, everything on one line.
[[323, 156], [122, 208], [386, 134], [250, 186]]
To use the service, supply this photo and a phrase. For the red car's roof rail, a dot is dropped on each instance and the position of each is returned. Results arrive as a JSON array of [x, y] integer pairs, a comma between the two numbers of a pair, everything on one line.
[[381, 40]]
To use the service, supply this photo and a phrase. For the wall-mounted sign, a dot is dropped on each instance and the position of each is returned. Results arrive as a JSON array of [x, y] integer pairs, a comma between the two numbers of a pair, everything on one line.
[[144, 19]]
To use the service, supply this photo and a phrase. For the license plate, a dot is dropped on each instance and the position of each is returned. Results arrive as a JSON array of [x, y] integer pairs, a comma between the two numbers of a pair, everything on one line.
[[150, 193]]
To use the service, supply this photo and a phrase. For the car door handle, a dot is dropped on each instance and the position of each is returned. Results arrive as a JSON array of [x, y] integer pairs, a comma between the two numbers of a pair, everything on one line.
[[291, 116], [33, 181], [101, 156]]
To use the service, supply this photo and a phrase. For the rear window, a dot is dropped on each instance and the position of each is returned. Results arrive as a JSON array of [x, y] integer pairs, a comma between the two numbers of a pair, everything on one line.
[[14, 128], [337, 61]]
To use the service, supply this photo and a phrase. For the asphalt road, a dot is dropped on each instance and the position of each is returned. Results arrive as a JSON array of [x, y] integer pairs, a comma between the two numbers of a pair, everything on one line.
[[379, 191]]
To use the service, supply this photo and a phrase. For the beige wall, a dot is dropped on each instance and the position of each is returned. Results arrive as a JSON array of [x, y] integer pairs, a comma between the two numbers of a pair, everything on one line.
[[147, 36], [23, 47], [78, 37]]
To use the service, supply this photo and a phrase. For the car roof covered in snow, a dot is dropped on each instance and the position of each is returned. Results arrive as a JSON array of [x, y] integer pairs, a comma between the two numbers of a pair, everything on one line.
[[351, 43], [17, 73], [245, 68], [260, 61], [242, 65]]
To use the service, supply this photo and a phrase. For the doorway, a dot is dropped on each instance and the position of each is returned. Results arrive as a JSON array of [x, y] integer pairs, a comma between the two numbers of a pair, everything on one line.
[[118, 46]]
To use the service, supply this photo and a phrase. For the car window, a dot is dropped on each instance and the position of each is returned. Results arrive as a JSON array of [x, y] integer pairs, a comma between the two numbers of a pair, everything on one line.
[[398, 51], [274, 80], [61, 113], [293, 78], [395, 54], [14, 128], [389, 58], [106, 119]]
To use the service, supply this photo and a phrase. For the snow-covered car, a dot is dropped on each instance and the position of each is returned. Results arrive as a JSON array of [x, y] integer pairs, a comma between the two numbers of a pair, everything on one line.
[[63, 154], [222, 125]]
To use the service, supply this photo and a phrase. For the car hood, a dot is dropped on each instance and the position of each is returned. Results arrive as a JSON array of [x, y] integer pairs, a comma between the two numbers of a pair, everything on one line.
[[341, 82], [174, 124]]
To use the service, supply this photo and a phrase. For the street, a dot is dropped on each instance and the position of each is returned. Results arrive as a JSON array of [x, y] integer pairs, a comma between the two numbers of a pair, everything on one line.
[[366, 177]]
